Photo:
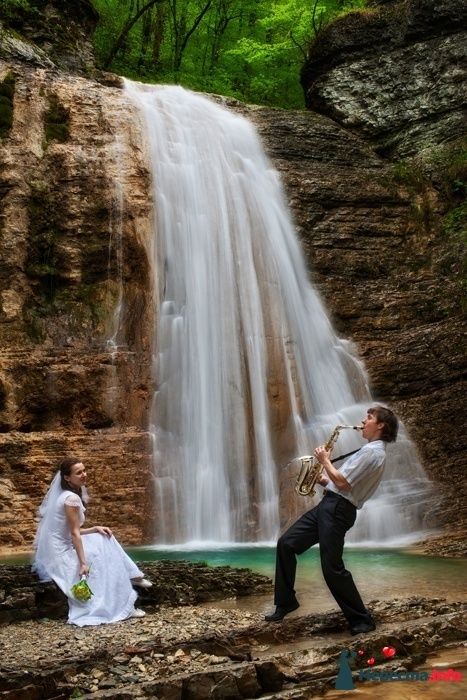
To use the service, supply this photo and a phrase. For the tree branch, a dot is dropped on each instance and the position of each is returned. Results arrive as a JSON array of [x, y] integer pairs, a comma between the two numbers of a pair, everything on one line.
[[129, 24], [195, 25]]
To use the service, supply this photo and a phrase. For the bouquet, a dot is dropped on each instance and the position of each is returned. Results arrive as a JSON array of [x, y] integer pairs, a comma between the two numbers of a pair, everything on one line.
[[81, 590]]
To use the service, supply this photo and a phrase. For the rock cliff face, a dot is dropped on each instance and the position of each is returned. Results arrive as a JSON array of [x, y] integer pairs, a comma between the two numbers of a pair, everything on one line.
[[76, 309], [74, 365], [50, 32], [395, 74]]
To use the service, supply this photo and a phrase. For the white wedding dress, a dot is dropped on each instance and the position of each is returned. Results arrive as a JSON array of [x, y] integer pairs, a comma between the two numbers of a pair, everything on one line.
[[110, 567]]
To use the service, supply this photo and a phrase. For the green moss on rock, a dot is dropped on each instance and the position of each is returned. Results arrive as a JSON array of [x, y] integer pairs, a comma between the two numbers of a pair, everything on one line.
[[56, 121], [447, 165], [42, 262], [7, 92], [454, 263]]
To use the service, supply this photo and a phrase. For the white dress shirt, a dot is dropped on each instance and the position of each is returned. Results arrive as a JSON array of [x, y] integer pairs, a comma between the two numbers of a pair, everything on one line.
[[364, 471]]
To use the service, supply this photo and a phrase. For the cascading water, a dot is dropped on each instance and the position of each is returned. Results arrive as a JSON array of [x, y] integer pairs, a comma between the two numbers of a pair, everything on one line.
[[117, 152], [248, 369]]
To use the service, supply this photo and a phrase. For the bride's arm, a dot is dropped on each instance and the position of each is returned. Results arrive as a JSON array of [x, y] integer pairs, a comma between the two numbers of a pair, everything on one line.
[[72, 516], [101, 529]]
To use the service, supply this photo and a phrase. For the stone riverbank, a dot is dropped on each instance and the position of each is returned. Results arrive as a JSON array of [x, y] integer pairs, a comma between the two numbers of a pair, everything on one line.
[[187, 651]]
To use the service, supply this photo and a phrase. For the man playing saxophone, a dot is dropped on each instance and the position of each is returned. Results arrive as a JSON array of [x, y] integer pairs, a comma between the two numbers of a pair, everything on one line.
[[346, 491]]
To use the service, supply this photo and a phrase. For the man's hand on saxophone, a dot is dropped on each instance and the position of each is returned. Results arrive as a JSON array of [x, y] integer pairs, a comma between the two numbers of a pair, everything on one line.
[[323, 456]]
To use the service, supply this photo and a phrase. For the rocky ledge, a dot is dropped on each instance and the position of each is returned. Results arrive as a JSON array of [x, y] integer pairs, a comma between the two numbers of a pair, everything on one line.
[[23, 597], [199, 653], [393, 73]]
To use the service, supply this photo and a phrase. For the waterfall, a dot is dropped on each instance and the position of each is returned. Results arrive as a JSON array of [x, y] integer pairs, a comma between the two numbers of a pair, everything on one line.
[[116, 155], [247, 367]]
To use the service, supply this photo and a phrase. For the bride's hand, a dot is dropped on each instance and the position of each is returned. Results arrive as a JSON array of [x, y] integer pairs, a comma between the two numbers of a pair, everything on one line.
[[102, 530], [83, 570]]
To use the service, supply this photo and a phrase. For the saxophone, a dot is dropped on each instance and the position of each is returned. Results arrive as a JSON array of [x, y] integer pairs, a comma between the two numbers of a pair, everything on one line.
[[311, 469]]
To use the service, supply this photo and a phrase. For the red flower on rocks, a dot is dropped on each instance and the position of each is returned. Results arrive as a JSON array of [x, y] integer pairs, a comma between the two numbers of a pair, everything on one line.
[[389, 652], [371, 661]]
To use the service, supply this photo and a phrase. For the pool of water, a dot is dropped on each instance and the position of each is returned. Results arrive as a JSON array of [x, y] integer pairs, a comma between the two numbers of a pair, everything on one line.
[[379, 574]]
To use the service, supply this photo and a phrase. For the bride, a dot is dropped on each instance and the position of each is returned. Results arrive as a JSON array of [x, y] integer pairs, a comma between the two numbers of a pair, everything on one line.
[[64, 551]]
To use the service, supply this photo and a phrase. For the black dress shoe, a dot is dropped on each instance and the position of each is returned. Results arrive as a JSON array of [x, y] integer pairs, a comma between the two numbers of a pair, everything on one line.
[[363, 628], [280, 612]]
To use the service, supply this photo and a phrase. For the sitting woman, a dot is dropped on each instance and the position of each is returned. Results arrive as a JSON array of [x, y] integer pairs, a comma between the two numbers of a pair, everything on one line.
[[64, 552]]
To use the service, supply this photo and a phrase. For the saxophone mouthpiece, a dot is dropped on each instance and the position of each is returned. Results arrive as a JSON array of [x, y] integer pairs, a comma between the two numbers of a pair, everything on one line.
[[357, 427]]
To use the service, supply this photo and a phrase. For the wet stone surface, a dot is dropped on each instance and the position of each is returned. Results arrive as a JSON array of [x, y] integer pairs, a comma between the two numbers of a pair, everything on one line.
[[197, 652], [23, 597]]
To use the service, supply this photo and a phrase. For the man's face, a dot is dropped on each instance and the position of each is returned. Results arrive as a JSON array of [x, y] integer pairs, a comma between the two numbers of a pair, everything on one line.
[[371, 428]]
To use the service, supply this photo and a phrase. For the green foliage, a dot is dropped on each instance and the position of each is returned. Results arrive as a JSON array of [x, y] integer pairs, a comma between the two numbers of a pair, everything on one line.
[[454, 262], [448, 170], [77, 693], [448, 164], [455, 223], [409, 174], [42, 262], [11, 10], [249, 49]]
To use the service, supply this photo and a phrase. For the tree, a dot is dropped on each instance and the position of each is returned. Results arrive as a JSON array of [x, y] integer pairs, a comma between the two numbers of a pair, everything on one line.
[[224, 12], [127, 27], [251, 49], [184, 23]]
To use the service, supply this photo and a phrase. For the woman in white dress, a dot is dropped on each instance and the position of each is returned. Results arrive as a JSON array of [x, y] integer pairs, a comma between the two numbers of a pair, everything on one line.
[[64, 552]]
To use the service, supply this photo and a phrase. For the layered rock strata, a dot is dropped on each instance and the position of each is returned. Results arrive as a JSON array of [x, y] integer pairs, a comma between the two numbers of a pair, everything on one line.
[[76, 309], [51, 33], [394, 73], [391, 273]]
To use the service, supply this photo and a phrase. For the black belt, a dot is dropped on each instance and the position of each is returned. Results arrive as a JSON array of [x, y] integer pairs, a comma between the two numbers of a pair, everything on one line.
[[336, 495], [326, 492]]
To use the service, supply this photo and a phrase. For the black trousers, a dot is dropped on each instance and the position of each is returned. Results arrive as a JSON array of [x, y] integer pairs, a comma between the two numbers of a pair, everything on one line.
[[327, 524]]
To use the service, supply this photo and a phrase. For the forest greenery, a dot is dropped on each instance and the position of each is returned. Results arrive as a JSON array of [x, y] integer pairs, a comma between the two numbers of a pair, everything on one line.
[[249, 49]]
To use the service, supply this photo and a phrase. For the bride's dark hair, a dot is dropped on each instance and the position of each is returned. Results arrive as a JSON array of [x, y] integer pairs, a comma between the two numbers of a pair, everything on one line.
[[65, 468]]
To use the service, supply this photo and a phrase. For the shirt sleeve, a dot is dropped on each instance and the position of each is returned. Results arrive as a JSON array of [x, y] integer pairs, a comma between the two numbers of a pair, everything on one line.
[[358, 468], [73, 500]]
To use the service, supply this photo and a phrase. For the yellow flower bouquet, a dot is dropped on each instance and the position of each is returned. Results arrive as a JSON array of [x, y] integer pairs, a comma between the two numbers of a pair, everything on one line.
[[81, 590]]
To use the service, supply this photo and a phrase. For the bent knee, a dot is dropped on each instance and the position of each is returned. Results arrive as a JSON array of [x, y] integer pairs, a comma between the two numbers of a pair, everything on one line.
[[286, 543], [295, 545]]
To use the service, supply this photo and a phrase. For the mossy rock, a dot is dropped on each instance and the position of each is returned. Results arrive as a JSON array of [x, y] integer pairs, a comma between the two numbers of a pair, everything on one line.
[[7, 87], [57, 121], [7, 91]]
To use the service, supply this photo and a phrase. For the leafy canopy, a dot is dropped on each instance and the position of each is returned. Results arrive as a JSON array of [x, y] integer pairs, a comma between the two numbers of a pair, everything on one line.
[[249, 49]]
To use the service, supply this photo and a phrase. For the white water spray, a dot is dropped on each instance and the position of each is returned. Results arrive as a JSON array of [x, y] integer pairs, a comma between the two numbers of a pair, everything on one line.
[[247, 366]]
